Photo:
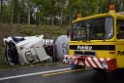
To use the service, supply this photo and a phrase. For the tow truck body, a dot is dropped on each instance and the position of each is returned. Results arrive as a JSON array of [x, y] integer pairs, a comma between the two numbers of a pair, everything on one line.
[[97, 42]]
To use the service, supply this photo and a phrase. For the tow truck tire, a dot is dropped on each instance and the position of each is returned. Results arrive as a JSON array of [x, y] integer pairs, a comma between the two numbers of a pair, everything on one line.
[[74, 67], [99, 70]]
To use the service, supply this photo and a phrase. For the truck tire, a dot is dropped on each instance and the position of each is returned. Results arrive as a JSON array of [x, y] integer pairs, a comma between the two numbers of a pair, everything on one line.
[[11, 57], [74, 67], [7, 58], [99, 70]]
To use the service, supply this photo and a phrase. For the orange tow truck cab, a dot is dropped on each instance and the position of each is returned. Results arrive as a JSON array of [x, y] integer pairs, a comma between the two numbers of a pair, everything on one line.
[[97, 42]]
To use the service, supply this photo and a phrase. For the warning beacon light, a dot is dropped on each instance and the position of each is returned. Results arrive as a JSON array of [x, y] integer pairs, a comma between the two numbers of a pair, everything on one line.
[[112, 7], [78, 15]]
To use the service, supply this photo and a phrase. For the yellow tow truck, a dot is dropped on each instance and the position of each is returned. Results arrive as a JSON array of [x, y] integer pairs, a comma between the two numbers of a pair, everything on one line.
[[97, 42]]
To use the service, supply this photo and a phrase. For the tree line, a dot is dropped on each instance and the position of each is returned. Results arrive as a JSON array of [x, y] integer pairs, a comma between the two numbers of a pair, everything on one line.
[[52, 12]]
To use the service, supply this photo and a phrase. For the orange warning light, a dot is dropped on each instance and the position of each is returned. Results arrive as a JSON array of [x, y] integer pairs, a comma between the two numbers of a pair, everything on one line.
[[78, 15], [112, 7]]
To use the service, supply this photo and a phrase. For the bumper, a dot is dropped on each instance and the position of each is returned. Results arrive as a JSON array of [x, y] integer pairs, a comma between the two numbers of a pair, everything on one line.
[[92, 62]]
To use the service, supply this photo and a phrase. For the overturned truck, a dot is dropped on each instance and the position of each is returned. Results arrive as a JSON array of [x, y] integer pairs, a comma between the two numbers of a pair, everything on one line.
[[34, 49]]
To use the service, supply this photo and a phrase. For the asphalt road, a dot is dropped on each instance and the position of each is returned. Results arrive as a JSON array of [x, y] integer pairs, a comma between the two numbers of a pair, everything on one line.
[[67, 76]]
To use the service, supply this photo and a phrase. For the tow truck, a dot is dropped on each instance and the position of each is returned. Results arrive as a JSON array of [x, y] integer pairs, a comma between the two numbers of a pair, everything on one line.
[[97, 42]]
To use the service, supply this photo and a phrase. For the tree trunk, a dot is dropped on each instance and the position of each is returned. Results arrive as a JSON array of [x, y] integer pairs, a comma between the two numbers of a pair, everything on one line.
[[121, 5], [29, 12], [61, 18], [86, 7], [100, 6], [110, 2], [12, 11], [1, 6], [52, 20], [39, 21], [63, 2], [18, 18]]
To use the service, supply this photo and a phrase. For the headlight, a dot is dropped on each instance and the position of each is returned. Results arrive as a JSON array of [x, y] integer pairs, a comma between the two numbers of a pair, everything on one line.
[[104, 64]]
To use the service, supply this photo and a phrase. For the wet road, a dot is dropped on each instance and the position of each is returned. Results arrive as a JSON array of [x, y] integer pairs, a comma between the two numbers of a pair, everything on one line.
[[81, 76]]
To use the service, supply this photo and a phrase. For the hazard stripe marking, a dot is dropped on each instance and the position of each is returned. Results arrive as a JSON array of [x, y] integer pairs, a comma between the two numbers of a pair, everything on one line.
[[95, 62], [98, 63], [101, 59], [76, 62], [81, 63], [87, 64], [90, 60]]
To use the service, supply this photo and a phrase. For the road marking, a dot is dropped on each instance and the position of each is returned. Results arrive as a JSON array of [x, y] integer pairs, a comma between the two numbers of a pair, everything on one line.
[[62, 72], [31, 74]]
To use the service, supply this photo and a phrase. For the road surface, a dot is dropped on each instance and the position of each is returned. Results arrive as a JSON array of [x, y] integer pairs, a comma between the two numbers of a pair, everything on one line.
[[58, 74]]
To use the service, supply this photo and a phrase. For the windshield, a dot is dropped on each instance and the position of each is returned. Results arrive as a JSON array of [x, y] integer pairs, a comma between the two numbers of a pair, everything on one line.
[[93, 29]]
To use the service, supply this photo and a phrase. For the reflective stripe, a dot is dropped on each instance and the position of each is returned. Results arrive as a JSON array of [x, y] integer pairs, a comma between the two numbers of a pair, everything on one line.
[[87, 61], [81, 63], [101, 59], [92, 64], [108, 59], [95, 63], [98, 63], [76, 62], [87, 64]]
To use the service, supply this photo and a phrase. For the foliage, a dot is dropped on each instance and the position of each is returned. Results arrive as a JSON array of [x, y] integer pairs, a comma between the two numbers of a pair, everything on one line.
[[54, 12]]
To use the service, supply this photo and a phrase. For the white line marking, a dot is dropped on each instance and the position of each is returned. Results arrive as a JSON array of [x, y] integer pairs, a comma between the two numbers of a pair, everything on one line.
[[31, 74]]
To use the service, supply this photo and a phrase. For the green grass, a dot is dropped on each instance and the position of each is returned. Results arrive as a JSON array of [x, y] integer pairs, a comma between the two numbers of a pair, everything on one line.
[[7, 30]]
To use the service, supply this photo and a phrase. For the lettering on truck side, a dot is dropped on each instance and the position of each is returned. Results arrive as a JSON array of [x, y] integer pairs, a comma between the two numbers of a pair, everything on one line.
[[84, 47], [121, 52]]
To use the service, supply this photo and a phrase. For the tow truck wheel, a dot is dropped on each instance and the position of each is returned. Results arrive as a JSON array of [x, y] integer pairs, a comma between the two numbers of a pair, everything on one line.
[[74, 67], [99, 70]]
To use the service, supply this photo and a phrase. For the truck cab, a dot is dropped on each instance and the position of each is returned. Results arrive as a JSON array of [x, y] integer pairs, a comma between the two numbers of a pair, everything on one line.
[[97, 42]]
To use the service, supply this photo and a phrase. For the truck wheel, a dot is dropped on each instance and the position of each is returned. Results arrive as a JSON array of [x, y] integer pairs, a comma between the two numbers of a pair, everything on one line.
[[74, 67], [11, 57], [99, 70], [8, 59]]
